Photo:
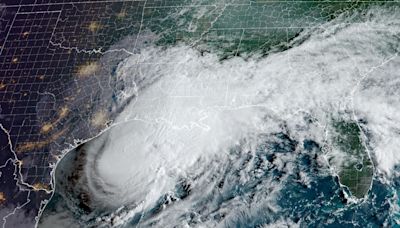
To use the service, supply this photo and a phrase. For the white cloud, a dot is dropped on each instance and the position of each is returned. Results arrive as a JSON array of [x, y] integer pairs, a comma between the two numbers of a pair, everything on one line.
[[193, 108]]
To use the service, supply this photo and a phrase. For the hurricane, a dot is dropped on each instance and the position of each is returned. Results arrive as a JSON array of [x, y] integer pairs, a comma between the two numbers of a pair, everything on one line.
[[248, 141]]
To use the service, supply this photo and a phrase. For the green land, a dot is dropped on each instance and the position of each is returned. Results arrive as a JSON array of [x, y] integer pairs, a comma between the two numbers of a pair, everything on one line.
[[227, 27], [356, 168]]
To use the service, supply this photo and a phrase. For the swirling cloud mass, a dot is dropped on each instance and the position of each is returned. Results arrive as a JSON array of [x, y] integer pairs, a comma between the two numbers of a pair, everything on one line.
[[211, 142]]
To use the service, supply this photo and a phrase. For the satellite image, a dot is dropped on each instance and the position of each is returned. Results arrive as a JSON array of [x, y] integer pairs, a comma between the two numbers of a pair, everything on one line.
[[199, 113]]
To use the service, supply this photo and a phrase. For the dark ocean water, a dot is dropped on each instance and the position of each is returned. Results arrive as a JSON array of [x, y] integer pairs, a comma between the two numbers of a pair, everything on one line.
[[273, 194]]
